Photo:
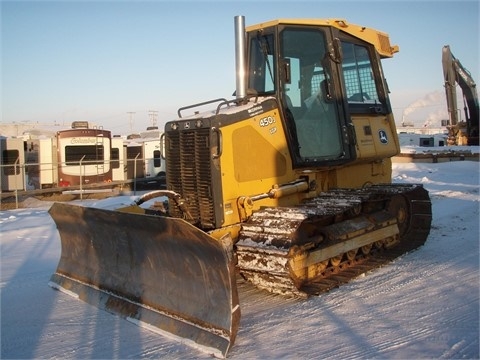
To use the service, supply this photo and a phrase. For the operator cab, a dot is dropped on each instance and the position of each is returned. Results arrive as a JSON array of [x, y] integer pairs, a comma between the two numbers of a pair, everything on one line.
[[321, 77]]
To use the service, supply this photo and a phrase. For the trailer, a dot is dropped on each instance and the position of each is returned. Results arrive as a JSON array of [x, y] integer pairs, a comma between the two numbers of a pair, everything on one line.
[[80, 155], [117, 160], [41, 166], [83, 155], [142, 157], [11, 161]]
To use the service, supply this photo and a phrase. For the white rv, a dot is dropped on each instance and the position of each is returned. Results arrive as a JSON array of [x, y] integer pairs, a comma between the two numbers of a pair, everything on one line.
[[12, 160]]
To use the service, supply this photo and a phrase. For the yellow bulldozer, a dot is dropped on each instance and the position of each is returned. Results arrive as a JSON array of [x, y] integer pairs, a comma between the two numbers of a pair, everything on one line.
[[288, 185]]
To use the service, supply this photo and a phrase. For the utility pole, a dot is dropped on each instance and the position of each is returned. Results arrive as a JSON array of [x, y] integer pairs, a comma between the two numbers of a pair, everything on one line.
[[130, 120], [153, 117]]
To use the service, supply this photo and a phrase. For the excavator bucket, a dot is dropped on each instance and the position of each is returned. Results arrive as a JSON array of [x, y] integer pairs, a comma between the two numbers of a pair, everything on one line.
[[157, 272]]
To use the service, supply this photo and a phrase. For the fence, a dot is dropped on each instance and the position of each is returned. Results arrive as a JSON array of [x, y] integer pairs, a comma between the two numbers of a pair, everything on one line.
[[39, 177]]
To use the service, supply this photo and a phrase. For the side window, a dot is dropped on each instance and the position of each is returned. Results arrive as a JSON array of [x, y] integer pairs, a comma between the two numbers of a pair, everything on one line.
[[262, 66], [9, 157], [115, 158], [358, 74], [157, 160]]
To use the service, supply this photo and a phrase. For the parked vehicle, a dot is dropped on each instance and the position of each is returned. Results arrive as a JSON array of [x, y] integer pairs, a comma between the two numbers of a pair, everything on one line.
[[289, 185], [81, 154]]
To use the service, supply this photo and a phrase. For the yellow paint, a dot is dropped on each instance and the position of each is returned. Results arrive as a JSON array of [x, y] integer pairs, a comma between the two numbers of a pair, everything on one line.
[[379, 39]]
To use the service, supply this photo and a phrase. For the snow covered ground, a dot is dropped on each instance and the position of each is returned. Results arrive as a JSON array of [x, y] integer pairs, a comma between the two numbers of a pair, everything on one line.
[[423, 305]]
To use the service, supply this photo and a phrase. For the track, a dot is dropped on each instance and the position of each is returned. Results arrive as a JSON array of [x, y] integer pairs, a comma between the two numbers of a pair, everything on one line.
[[345, 232]]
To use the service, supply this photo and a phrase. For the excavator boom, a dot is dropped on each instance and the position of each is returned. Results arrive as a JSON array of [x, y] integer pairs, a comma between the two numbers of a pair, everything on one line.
[[454, 73]]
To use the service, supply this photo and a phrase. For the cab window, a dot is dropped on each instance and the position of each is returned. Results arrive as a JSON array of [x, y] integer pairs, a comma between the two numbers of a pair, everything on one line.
[[262, 64], [307, 102], [358, 75]]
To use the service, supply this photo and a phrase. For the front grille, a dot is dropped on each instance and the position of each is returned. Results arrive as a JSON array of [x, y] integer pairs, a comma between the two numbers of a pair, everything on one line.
[[189, 174]]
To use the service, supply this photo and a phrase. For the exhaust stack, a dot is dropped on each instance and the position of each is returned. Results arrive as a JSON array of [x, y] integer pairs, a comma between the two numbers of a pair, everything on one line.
[[240, 58]]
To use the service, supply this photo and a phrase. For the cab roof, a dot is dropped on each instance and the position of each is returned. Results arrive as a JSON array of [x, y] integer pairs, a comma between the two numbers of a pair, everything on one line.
[[379, 39]]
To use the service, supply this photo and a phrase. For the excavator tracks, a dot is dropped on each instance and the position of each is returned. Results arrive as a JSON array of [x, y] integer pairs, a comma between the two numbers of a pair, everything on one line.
[[333, 238]]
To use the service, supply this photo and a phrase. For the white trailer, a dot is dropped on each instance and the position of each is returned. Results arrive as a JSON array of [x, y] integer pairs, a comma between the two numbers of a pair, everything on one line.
[[153, 162], [119, 166], [12, 160], [144, 158], [42, 168]]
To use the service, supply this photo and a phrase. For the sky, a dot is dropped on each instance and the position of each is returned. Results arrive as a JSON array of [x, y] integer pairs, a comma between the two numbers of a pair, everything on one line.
[[126, 65]]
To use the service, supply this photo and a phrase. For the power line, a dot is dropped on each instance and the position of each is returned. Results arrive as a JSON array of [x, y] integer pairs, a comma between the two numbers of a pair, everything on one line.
[[153, 117]]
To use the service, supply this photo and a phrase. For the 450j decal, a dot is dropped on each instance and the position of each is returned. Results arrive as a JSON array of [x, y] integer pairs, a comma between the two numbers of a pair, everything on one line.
[[266, 121]]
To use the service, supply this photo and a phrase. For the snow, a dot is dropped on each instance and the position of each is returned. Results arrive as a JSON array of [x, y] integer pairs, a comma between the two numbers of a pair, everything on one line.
[[423, 305]]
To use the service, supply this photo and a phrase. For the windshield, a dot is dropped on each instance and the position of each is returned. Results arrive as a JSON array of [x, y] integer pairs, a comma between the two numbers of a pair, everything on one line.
[[307, 95]]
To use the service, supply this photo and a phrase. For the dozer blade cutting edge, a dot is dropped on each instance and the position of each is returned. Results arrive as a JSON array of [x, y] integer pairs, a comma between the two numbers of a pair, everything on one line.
[[160, 273]]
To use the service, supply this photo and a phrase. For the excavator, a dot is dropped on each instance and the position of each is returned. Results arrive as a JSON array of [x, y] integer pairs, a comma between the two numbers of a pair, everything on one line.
[[287, 185], [460, 132]]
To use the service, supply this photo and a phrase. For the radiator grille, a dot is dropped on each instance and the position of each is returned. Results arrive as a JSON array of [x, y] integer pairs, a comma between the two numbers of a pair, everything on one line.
[[189, 174]]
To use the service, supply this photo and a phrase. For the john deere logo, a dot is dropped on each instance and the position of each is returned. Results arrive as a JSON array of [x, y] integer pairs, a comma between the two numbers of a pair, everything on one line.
[[382, 134]]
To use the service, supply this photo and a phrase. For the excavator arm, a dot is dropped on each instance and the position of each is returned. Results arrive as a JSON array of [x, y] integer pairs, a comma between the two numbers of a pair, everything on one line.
[[454, 73]]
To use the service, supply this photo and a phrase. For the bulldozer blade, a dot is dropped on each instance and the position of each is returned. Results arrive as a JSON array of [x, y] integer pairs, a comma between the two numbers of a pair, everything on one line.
[[157, 272]]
